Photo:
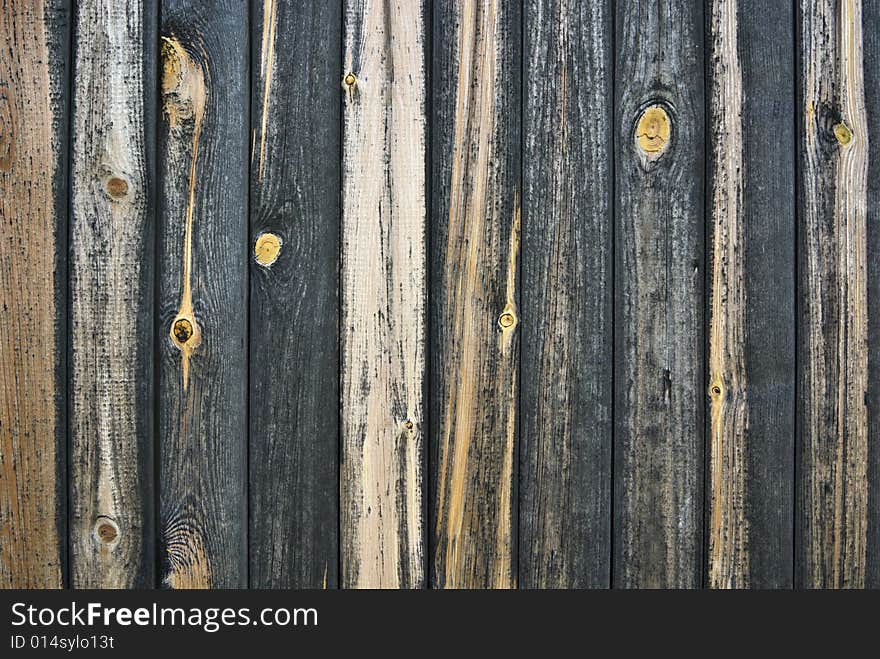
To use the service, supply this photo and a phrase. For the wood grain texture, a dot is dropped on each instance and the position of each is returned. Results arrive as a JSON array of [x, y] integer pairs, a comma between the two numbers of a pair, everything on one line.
[[33, 257], [833, 339], [751, 328], [871, 52], [475, 299], [383, 294], [659, 223], [295, 191], [565, 479], [203, 151], [728, 379], [111, 287]]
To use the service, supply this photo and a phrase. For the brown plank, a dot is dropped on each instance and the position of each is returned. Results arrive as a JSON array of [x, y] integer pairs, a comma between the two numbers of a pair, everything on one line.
[[33, 257]]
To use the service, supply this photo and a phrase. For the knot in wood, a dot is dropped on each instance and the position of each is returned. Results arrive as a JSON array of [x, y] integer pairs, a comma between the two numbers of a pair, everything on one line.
[[267, 248], [117, 187], [182, 330], [350, 79], [506, 320], [106, 531], [843, 134], [408, 425], [652, 131]]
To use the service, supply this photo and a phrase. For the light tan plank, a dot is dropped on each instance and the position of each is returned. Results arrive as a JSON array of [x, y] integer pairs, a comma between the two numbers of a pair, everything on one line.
[[383, 295]]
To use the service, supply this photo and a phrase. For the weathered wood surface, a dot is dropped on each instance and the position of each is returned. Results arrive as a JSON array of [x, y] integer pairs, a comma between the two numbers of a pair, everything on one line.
[[203, 151], [751, 296], [384, 214], [293, 251], [659, 273], [833, 507], [111, 295], [565, 477], [871, 50], [475, 297], [33, 309], [696, 390]]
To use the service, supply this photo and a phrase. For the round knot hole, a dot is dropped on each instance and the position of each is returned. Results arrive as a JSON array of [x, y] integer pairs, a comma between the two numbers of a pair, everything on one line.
[[182, 330]]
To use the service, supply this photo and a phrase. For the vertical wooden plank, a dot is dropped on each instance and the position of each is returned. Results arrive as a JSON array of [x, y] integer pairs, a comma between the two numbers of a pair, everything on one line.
[[475, 277], [833, 337], [871, 50], [203, 171], [751, 289], [294, 221], [33, 311], [565, 479], [111, 286], [383, 294], [659, 391]]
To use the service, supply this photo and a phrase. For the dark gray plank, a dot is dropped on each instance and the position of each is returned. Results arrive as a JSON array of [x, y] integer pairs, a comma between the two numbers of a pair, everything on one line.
[[751, 290], [203, 147], [34, 69], [871, 50], [565, 477], [293, 367], [112, 254], [474, 284], [659, 257], [833, 357]]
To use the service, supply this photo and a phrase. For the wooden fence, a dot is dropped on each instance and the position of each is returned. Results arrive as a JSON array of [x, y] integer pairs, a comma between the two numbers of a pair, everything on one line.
[[536, 293]]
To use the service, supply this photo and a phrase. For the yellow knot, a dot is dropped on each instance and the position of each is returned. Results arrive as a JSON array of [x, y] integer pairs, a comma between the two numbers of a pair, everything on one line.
[[843, 134], [350, 79], [267, 248], [506, 320], [652, 131]]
